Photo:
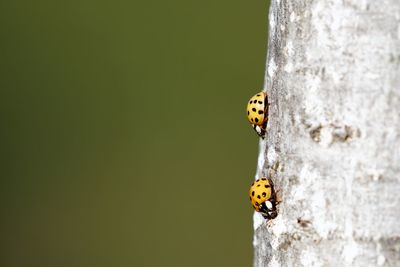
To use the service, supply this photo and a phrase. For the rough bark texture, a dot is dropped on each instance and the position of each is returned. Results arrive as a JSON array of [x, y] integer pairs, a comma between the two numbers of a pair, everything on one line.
[[334, 134]]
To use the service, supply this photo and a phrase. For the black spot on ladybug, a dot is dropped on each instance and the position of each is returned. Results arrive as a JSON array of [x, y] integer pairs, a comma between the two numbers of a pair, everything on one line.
[[264, 179], [251, 102], [256, 119], [267, 186], [259, 102], [258, 197], [260, 112], [257, 204], [258, 95], [248, 112], [252, 193], [253, 109], [264, 194], [258, 185], [252, 119], [250, 198], [252, 184]]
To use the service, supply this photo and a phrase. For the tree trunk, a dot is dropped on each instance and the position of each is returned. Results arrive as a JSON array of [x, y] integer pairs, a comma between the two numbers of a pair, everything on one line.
[[333, 142]]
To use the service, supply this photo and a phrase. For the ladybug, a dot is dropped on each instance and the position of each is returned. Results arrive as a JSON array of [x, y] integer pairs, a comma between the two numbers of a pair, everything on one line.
[[257, 113], [263, 197]]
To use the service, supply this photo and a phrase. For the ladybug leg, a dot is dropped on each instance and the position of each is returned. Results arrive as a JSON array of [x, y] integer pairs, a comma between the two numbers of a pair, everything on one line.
[[266, 99], [263, 130], [264, 126], [276, 194], [269, 216]]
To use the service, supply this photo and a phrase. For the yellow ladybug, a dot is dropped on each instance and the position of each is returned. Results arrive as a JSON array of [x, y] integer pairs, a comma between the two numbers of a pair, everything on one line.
[[263, 197], [257, 112]]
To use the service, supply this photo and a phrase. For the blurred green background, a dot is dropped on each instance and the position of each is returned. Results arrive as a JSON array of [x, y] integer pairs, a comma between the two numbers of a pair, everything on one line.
[[124, 140]]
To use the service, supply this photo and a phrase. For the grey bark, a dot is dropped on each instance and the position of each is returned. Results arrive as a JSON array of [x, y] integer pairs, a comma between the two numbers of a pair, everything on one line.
[[333, 143]]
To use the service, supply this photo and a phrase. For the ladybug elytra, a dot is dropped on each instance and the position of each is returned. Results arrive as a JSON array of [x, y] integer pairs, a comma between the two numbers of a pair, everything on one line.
[[257, 112], [263, 198]]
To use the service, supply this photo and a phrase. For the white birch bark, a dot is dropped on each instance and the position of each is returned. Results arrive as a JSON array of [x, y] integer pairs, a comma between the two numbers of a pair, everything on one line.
[[334, 134]]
